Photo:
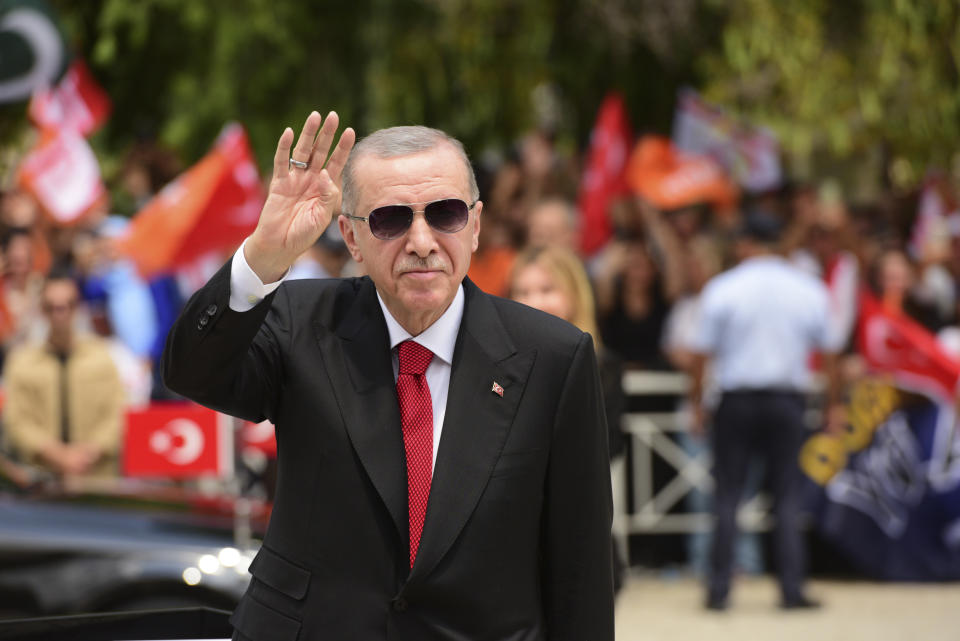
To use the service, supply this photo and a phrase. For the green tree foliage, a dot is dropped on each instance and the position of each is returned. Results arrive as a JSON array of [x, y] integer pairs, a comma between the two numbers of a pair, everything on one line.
[[838, 81], [840, 78], [178, 69]]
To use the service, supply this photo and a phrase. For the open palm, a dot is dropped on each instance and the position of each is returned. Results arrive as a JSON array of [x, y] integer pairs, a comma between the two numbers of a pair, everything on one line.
[[301, 201]]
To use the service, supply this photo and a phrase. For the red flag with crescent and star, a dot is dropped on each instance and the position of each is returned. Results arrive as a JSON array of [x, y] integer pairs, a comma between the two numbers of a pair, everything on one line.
[[892, 343], [177, 441]]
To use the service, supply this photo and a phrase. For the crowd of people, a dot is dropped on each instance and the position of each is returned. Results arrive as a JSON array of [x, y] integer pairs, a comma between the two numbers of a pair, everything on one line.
[[80, 329], [767, 293], [639, 295], [644, 282]]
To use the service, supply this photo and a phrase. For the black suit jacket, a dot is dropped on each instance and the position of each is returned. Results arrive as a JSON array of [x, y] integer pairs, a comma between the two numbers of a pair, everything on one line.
[[516, 538]]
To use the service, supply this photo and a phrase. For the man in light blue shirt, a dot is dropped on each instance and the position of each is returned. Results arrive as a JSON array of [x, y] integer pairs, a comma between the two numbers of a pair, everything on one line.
[[760, 322]]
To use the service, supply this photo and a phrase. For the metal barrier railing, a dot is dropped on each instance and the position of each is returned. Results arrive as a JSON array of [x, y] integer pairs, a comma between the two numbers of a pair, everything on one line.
[[658, 435]]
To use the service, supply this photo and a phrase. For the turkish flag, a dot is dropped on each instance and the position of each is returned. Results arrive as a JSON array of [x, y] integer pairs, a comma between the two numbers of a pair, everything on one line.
[[603, 177], [63, 174], [178, 441], [77, 103], [896, 344], [211, 207]]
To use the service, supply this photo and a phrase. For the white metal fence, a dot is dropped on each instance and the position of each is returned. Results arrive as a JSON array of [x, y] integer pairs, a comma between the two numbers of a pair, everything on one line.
[[657, 505]]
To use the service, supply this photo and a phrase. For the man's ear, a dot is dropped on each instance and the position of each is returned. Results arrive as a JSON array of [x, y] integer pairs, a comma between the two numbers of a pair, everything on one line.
[[476, 224], [348, 232]]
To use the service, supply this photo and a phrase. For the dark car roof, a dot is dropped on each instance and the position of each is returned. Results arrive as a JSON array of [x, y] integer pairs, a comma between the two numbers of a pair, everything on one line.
[[65, 526]]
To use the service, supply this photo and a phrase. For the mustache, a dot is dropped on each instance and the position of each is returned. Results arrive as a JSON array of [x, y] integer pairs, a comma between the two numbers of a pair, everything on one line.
[[415, 263]]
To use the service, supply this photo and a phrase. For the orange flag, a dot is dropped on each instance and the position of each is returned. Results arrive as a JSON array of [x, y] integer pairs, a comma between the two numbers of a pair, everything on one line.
[[671, 179], [211, 207]]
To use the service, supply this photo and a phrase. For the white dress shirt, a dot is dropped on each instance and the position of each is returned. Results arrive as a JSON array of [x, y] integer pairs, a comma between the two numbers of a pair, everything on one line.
[[440, 338], [246, 290], [760, 321]]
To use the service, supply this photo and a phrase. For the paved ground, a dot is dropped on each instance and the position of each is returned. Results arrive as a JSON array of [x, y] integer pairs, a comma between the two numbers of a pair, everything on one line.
[[651, 609]]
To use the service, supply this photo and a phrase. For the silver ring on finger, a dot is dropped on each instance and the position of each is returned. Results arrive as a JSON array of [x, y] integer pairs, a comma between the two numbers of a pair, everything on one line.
[[299, 164]]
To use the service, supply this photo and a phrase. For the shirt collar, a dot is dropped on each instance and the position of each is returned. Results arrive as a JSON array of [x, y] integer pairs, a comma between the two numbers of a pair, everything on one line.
[[440, 338], [764, 259]]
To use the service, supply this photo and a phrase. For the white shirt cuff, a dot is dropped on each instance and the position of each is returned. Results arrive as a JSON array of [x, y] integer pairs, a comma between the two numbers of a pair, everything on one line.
[[246, 288]]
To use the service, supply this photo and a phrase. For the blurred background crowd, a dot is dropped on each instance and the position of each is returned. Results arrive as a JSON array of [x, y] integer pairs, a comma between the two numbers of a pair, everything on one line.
[[620, 148], [619, 238]]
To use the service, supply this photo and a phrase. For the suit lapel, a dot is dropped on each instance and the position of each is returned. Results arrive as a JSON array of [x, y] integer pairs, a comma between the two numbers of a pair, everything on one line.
[[476, 424], [369, 408]]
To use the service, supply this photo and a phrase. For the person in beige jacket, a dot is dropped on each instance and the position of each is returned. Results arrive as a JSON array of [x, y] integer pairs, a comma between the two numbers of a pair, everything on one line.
[[64, 399]]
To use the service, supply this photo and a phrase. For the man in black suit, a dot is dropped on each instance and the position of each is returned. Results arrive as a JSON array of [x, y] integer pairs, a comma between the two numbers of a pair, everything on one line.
[[442, 453]]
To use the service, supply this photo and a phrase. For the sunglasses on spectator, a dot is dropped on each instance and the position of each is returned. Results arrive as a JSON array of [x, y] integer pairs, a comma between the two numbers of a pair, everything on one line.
[[449, 216]]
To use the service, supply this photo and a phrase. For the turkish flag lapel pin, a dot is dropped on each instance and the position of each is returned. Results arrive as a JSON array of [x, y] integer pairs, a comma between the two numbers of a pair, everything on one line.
[[497, 389]]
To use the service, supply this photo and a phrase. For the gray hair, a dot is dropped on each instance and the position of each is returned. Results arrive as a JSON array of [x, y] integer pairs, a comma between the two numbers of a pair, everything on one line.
[[400, 141]]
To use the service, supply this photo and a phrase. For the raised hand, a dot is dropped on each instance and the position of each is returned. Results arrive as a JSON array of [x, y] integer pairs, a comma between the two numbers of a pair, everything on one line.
[[301, 201]]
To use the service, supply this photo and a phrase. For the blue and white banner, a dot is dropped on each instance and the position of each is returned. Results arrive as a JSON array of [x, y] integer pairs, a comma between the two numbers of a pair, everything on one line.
[[888, 489]]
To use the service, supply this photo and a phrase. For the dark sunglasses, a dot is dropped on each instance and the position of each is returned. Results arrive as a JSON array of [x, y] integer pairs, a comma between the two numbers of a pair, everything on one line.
[[449, 216]]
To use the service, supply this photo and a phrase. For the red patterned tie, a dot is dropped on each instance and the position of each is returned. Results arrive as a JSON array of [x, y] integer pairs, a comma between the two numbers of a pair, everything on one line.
[[416, 418]]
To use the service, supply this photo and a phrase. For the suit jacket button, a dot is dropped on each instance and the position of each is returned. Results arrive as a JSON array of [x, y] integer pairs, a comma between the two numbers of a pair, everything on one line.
[[212, 310], [202, 322], [400, 604]]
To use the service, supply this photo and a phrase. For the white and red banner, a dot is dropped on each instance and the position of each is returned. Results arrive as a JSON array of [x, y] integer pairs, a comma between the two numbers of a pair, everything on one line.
[[178, 441], [77, 103], [61, 171], [892, 343], [258, 439], [211, 207], [63, 174], [842, 279], [603, 178], [751, 155]]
